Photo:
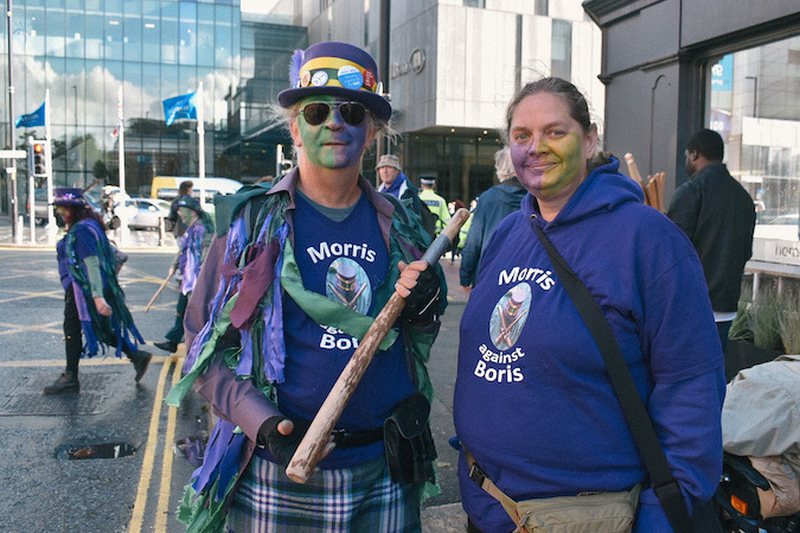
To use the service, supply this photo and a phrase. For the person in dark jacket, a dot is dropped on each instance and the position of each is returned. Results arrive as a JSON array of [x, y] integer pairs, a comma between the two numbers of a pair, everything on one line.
[[493, 206], [395, 182], [719, 217]]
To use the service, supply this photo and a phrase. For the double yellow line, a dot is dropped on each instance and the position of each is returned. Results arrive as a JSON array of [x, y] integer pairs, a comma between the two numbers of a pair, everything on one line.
[[175, 363]]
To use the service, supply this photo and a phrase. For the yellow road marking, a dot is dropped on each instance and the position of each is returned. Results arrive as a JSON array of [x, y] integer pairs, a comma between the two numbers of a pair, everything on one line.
[[150, 452], [94, 361], [162, 511]]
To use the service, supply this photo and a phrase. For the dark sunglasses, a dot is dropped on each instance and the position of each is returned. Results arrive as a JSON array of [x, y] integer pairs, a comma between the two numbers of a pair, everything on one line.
[[352, 113]]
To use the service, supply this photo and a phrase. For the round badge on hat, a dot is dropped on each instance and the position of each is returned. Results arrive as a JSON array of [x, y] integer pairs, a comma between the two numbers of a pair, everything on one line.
[[350, 77], [319, 79], [305, 79]]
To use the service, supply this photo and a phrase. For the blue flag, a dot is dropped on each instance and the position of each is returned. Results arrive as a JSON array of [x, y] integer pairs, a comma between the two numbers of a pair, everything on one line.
[[33, 119], [180, 107]]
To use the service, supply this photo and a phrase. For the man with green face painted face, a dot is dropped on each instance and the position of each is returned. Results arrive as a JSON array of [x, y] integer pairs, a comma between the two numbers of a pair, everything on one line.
[[293, 280]]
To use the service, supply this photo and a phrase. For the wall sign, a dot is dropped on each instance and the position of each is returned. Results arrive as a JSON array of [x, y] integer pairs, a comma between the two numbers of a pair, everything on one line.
[[415, 63]]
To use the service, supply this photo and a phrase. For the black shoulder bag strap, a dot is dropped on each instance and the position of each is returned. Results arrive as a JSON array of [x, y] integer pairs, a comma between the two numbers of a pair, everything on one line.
[[664, 484]]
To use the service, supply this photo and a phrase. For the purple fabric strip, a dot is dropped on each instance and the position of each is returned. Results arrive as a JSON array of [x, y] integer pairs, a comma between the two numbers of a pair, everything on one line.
[[229, 465], [217, 444], [245, 367], [80, 303], [228, 282]]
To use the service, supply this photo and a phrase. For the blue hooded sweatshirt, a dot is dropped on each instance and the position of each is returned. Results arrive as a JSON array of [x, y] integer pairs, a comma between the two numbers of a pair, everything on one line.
[[533, 402]]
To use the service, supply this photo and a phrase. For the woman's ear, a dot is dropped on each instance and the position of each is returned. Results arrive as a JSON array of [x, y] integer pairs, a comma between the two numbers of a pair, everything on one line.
[[590, 142]]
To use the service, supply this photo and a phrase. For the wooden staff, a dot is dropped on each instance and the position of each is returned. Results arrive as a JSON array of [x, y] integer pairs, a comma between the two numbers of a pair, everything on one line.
[[633, 169], [158, 292], [308, 452]]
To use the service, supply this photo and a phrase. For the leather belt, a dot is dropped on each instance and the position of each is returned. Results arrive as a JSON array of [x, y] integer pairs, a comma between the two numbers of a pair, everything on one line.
[[347, 439]]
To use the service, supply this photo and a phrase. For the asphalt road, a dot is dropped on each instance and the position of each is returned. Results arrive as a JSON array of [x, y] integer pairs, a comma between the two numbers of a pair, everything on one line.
[[45, 488]]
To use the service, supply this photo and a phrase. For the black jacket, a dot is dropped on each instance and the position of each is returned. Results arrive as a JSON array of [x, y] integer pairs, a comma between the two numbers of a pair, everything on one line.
[[719, 217]]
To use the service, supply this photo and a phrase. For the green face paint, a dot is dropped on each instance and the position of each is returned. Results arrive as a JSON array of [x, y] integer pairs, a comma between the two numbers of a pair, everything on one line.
[[334, 143]]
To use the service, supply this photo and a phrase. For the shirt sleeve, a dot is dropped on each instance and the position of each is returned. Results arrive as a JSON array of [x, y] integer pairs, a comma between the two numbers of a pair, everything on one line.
[[684, 208], [237, 401], [687, 368]]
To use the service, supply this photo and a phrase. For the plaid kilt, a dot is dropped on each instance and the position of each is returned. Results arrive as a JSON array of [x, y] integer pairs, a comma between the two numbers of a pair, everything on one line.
[[358, 499]]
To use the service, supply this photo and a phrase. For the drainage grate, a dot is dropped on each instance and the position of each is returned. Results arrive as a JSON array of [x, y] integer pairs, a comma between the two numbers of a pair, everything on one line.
[[28, 399], [38, 404]]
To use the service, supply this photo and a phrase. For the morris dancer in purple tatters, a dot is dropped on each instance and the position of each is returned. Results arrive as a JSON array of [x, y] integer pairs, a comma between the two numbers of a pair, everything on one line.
[[290, 286], [94, 304], [193, 248]]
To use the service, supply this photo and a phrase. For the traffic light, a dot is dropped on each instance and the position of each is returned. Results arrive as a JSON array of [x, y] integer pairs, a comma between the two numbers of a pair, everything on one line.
[[37, 154]]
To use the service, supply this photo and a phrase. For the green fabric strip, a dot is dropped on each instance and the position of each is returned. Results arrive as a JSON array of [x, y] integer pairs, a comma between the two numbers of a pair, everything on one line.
[[177, 392], [323, 310], [92, 263]]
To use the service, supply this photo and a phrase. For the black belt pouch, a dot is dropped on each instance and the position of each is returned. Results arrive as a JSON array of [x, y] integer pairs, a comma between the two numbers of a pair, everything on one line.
[[408, 442]]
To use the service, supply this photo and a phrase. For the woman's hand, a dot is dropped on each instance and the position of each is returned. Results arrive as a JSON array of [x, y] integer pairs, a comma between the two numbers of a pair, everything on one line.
[[102, 306]]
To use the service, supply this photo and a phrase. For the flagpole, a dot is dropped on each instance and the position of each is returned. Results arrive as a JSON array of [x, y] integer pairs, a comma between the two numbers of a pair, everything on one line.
[[51, 216], [123, 195], [201, 149], [121, 139]]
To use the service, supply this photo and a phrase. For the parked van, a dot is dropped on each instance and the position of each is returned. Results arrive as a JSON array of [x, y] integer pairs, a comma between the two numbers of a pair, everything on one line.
[[166, 187]]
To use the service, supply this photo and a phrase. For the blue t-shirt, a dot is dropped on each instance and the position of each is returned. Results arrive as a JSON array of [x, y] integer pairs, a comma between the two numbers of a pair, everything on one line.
[[85, 245], [346, 261]]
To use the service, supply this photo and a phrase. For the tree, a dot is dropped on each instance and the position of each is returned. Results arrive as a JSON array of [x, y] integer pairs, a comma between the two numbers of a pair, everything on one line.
[[99, 170]]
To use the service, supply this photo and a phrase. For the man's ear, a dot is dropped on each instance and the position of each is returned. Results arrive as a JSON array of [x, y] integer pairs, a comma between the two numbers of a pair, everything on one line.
[[294, 130]]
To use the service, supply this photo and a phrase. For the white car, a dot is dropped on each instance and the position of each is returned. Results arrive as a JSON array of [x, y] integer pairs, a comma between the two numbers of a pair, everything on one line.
[[148, 212]]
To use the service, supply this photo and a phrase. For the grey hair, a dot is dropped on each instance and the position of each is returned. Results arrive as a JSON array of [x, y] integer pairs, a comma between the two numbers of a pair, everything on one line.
[[503, 166]]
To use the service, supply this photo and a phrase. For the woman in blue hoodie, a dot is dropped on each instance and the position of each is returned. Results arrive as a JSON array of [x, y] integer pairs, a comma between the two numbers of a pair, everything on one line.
[[533, 402]]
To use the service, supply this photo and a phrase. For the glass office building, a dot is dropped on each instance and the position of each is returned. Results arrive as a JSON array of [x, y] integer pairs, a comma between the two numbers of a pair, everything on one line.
[[85, 52]]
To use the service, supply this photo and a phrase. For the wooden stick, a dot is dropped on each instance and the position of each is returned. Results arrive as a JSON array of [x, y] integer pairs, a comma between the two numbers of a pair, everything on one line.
[[634, 172], [633, 169], [308, 452], [158, 292]]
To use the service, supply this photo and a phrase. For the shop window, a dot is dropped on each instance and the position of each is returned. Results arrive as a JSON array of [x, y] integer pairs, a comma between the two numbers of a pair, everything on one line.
[[754, 105]]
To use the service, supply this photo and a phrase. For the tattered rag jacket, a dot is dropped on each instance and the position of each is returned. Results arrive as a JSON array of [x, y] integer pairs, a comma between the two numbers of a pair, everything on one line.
[[248, 269], [118, 330]]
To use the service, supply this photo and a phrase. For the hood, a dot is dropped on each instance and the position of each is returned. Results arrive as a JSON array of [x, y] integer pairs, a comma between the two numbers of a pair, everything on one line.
[[604, 189], [509, 193]]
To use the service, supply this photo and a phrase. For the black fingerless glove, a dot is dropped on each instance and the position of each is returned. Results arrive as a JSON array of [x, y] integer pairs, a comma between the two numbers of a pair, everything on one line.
[[282, 447], [422, 305]]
